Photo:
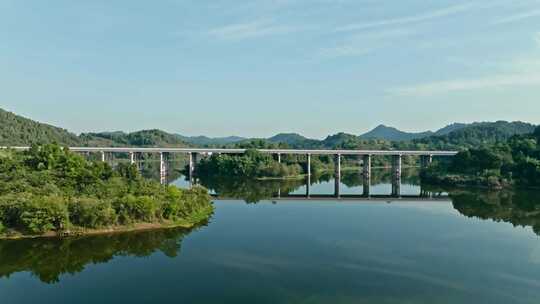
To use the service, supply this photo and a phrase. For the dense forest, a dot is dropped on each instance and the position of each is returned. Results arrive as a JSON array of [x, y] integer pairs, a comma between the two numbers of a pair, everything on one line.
[[49, 189], [515, 161]]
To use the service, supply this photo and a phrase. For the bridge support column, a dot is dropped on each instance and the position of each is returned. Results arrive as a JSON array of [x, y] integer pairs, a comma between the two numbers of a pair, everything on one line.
[[132, 157], [396, 165], [309, 164], [102, 156], [337, 179], [426, 160], [163, 170], [279, 158], [191, 166], [308, 185], [366, 166], [396, 188], [396, 178], [366, 186]]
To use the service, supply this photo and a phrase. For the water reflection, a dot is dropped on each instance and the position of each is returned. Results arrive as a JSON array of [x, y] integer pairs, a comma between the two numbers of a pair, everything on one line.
[[49, 258], [520, 208], [350, 185]]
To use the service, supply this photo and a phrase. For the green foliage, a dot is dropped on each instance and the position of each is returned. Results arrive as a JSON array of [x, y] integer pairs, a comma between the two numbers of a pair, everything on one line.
[[248, 165], [515, 161], [49, 188], [44, 213], [91, 212], [19, 131]]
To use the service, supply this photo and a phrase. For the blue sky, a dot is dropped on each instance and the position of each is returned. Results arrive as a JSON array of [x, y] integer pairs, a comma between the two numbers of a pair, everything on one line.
[[258, 67]]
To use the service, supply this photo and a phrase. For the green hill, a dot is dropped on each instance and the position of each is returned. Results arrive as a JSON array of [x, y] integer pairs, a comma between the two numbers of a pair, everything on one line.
[[19, 131], [144, 138], [393, 134], [477, 134]]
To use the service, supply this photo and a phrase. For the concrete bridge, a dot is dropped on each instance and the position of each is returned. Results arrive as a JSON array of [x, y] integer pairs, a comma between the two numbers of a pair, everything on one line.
[[364, 156]]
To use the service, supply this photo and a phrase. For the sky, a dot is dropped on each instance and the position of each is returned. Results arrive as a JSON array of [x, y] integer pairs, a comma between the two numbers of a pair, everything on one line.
[[259, 67]]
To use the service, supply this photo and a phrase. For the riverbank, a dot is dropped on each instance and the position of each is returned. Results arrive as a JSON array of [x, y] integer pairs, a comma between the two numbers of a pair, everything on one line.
[[195, 219]]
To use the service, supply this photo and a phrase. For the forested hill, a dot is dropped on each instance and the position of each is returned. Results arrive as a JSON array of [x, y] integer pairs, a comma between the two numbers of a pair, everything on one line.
[[144, 138], [393, 134], [19, 131], [16, 130], [477, 134]]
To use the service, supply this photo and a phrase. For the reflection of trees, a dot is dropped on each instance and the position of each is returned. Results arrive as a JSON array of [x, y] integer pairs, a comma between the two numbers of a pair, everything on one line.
[[380, 176], [519, 207], [251, 190], [254, 190], [50, 258]]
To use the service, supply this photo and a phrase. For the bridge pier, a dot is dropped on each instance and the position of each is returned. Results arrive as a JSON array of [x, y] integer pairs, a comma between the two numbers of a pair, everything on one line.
[[396, 188], [308, 185], [366, 166], [279, 158], [337, 179], [366, 186], [132, 157], [163, 167], [102, 156], [396, 165], [426, 160], [309, 164], [396, 175]]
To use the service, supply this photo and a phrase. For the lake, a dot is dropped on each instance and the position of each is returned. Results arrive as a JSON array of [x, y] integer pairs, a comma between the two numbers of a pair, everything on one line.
[[268, 243]]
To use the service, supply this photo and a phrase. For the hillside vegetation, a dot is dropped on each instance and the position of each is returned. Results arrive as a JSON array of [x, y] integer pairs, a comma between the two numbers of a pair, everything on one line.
[[19, 131]]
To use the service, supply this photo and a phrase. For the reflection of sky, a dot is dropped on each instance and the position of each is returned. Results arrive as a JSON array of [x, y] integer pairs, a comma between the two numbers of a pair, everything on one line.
[[317, 252]]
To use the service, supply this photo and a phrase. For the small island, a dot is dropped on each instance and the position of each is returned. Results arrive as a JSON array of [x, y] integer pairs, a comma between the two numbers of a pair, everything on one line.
[[50, 191]]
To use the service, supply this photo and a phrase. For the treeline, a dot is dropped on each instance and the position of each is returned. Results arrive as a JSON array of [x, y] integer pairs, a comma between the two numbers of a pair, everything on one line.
[[251, 164], [513, 162], [50, 189]]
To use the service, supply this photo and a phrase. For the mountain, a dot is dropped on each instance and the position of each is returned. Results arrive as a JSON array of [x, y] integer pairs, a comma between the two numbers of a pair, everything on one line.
[[287, 138], [393, 134], [211, 141], [144, 138], [477, 134], [19, 131], [450, 128]]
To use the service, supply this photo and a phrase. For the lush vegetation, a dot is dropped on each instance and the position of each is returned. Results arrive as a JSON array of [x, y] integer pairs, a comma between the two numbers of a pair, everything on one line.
[[50, 189], [514, 162], [19, 131], [251, 164]]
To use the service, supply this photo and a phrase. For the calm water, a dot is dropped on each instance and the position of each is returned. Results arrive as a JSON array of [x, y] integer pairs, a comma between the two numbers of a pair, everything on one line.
[[472, 247]]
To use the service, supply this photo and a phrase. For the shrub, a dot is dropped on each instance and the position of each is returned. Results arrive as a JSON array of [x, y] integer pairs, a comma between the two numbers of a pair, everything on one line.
[[91, 213], [138, 208], [41, 214]]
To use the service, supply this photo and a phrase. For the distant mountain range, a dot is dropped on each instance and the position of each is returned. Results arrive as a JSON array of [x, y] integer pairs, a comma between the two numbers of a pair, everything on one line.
[[16, 130]]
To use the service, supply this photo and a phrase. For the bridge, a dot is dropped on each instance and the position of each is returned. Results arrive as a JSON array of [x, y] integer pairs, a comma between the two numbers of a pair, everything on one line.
[[365, 157]]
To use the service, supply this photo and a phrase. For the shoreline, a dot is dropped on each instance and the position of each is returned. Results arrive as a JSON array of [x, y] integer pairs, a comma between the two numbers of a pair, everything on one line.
[[81, 232]]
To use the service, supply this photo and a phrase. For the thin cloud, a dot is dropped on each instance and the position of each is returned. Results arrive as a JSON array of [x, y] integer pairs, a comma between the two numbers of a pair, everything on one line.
[[442, 87], [249, 30], [435, 14], [363, 44], [517, 17]]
